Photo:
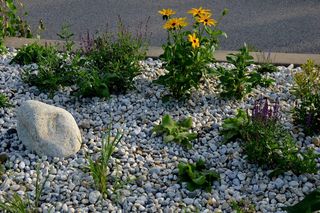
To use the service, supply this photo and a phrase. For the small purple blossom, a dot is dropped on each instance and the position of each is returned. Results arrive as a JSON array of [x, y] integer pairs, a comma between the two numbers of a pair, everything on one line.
[[87, 42], [264, 111]]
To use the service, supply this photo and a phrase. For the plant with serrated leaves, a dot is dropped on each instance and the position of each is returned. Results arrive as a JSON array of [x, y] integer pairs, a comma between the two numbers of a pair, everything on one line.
[[197, 176], [11, 23], [18, 204], [239, 81], [99, 168], [309, 204], [176, 131], [266, 142], [306, 111]]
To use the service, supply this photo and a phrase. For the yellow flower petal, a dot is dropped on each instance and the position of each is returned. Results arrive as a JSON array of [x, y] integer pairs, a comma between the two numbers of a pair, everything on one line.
[[196, 12]]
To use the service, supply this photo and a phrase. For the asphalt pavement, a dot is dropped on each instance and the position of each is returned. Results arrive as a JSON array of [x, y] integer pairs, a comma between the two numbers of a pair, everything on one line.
[[291, 26]]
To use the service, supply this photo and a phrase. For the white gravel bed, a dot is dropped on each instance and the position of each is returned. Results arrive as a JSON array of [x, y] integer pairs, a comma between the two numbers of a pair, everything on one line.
[[143, 156]]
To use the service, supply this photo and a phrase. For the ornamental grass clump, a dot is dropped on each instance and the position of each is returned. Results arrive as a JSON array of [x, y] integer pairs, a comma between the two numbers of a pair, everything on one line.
[[187, 53], [99, 168], [265, 141], [306, 112]]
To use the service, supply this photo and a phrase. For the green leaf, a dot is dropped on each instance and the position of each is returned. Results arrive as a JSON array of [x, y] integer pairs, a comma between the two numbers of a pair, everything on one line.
[[309, 204]]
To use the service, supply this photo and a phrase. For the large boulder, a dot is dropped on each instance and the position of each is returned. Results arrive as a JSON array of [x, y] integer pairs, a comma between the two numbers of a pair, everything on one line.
[[47, 130]]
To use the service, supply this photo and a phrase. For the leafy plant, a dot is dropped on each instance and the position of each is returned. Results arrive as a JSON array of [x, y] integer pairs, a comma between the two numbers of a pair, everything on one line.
[[54, 70], [4, 101], [188, 53], [33, 53], [243, 206], [11, 23], [266, 142], [99, 168], [239, 81], [307, 88], [115, 60], [17, 204], [309, 204], [176, 131], [266, 68], [197, 176]]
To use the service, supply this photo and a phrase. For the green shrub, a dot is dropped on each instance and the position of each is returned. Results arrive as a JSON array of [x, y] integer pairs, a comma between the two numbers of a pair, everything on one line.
[[306, 112], [55, 70], [115, 60], [188, 53], [238, 82], [176, 131], [34, 53], [11, 23], [197, 176], [266, 142], [311, 203], [99, 168]]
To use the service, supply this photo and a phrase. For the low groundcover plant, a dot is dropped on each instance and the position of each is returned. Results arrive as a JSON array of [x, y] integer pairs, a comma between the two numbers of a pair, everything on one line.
[[187, 53], [266, 142], [197, 176], [176, 131]]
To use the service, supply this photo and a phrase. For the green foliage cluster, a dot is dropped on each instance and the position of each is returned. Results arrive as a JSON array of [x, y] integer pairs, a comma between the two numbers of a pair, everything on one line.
[[11, 23], [52, 71], [238, 82], [187, 61], [311, 203], [4, 101], [109, 66], [176, 131], [34, 53], [18, 204], [243, 206], [266, 68], [197, 176], [267, 143], [115, 61], [99, 168], [307, 89]]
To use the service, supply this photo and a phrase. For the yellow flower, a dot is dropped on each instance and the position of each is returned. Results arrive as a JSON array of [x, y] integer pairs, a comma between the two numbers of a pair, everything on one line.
[[206, 20], [175, 23], [194, 40], [166, 13], [197, 12]]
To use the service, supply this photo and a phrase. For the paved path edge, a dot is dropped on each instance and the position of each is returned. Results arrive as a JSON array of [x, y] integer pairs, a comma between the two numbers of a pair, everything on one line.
[[276, 58]]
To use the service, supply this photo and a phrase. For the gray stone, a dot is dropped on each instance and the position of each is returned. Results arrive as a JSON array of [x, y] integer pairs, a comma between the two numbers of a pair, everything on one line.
[[47, 130], [188, 201], [279, 183], [94, 196]]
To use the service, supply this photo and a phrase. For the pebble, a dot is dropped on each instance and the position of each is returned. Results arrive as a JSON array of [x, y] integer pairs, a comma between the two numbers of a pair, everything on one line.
[[94, 196]]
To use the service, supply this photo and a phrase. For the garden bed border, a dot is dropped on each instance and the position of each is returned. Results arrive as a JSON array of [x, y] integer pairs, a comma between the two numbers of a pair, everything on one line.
[[276, 58]]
